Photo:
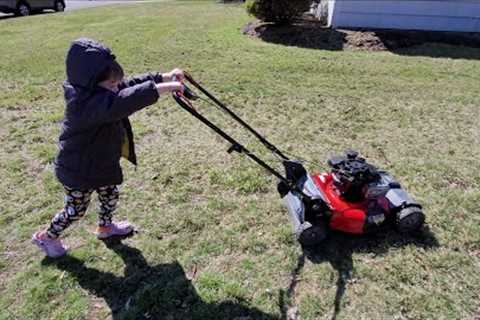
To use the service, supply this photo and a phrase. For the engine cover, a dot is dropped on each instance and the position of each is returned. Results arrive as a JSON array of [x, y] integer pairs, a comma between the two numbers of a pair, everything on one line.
[[383, 203]]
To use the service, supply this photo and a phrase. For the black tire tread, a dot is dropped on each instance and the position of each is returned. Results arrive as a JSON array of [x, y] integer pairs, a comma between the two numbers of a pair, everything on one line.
[[409, 213]]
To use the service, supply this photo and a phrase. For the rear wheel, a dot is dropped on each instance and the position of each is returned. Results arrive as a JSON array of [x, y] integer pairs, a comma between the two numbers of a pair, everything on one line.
[[23, 9], [59, 6], [409, 219], [311, 235]]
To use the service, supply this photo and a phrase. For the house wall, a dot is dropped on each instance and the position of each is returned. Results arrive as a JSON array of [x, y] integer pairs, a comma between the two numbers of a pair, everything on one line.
[[436, 15]]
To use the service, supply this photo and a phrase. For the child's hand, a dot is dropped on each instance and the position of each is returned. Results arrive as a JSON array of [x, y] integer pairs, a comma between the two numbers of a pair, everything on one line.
[[176, 74], [169, 87]]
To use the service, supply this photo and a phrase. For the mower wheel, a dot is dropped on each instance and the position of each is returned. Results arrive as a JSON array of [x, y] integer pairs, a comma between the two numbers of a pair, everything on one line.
[[310, 235], [409, 219]]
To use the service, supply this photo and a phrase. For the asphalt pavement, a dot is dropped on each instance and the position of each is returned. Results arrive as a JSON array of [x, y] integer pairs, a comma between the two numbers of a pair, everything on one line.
[[83, 4]]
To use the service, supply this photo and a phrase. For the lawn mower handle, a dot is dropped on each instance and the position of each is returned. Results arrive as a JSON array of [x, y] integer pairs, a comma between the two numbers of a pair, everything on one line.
[[187, 92], [184, 102], [262, 139]]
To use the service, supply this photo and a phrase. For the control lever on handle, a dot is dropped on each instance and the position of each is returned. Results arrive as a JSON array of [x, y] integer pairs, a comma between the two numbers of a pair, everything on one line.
[[187, 92]]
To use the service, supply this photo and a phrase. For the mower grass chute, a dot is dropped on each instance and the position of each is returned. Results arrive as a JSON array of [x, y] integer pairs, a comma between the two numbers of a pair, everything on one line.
[[354, 197]]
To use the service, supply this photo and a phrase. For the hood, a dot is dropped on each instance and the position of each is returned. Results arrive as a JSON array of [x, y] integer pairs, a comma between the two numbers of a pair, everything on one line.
[[86, 59]]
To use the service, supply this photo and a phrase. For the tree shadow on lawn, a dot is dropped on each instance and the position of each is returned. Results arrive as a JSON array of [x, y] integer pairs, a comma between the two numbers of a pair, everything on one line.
[[150, 292], [338, 250], [307, 34], [312, 34]]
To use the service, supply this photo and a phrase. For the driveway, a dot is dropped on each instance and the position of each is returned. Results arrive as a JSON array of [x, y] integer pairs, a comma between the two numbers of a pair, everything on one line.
[[82, 4]]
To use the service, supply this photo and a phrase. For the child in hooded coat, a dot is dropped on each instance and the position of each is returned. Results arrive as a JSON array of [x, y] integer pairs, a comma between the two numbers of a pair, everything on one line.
[[95, 134]]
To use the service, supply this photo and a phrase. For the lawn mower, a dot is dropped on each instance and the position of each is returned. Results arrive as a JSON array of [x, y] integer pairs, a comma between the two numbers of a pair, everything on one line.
[[353, 197]]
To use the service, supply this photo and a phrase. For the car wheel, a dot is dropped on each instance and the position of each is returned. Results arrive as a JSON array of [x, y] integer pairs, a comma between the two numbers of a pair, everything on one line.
[[59, 6], [23, 9]]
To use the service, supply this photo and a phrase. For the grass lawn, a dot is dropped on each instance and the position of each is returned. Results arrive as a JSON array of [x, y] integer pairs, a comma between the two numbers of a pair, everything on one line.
[[214, 240]]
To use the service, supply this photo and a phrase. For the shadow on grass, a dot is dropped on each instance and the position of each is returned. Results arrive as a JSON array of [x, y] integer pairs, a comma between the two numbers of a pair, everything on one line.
[[453, 45], [440, 50], [338, 250], [306, 34], [150, 292], [9, 16], [311, 34]]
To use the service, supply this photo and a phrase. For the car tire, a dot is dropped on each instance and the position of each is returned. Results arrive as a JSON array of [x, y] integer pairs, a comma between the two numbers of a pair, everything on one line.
[[23, 9], [59, 6]]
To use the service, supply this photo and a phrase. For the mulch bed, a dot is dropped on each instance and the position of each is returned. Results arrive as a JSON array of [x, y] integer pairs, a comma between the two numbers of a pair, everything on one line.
[[309, 33]]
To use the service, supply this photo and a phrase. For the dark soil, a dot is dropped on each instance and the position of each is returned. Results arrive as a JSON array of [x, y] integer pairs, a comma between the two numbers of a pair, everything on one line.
[[309, 33]]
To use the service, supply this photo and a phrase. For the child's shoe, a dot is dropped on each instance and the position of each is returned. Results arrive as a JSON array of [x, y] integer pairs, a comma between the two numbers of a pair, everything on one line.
[[122, 228], [53, 248]]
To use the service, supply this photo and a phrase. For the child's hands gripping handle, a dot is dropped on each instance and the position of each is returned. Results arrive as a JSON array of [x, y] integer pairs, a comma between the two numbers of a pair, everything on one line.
[[186, 92], [172, 82], [172, 86], [174, 75]]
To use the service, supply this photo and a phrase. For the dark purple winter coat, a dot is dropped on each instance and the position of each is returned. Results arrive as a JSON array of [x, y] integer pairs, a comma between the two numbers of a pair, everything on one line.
[[95, 128]]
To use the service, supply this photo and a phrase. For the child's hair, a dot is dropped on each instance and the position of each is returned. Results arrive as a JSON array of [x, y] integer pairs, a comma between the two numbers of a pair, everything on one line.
[[112, 71]]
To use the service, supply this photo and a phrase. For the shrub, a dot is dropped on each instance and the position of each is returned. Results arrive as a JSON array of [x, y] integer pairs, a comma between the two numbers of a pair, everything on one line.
[[278, 11]]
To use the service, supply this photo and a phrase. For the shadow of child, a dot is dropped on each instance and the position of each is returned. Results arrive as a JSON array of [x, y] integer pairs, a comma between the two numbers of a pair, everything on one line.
[[150, 292]]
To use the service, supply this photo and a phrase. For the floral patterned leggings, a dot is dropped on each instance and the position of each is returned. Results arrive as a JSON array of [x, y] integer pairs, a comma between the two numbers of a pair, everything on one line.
[[76, 205]]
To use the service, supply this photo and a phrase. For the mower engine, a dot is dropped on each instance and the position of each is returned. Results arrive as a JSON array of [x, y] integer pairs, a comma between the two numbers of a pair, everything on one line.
[[355, 197]]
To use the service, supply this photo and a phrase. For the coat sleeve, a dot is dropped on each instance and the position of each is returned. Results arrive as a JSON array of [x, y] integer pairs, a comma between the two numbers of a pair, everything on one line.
[[141, 78], [111, 107]]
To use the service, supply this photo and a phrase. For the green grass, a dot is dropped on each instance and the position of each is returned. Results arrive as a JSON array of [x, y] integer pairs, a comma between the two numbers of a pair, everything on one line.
[[214, 240]]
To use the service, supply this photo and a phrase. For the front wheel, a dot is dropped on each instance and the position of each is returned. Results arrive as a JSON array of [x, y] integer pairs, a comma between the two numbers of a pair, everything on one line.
[[23, 9], [409, 219], [310, 235], [59, 6]]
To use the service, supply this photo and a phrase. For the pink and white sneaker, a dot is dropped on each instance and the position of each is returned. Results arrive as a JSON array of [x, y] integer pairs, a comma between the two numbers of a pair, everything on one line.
[[54, 248], [122, 228]]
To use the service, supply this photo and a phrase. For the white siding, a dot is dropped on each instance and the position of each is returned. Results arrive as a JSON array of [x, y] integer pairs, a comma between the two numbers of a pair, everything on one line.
[[438, 15]]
